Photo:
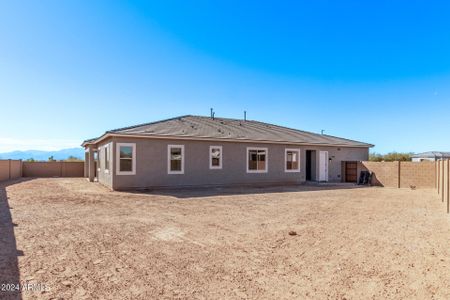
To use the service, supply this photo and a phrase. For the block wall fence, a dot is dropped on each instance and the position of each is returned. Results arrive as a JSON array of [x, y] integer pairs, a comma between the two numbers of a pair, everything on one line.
[[13, 169], [403, 174], [421, 175], [10, 169]]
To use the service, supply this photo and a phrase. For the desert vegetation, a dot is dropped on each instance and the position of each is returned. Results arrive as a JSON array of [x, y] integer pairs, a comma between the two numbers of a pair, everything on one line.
[[391, 156]]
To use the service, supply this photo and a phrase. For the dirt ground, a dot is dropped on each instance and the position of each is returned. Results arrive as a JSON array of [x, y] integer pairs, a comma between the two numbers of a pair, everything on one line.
[[76, 240]]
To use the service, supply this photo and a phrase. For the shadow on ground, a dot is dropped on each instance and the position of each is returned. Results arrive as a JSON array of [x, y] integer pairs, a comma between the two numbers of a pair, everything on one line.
[[9, 267], [201, 192]]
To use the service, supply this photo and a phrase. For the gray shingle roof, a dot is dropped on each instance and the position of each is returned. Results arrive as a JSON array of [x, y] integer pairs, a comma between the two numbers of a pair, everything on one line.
[[222, 128], [432, 154]]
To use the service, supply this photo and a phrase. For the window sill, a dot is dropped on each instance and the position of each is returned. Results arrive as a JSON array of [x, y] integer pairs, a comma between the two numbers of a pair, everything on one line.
[[256, 171], [126, 173]]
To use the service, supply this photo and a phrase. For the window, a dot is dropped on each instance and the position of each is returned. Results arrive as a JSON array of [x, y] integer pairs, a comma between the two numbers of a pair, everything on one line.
[[106, 158], [215, 157], [175, 159], [292, 160], [126, 159], [257, 160]]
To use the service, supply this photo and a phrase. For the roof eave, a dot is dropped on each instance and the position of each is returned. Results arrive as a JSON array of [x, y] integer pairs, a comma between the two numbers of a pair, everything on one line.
[[113, 134]]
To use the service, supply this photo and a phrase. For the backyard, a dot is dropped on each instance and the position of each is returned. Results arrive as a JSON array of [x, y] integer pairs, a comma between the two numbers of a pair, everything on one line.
[[82, 241]]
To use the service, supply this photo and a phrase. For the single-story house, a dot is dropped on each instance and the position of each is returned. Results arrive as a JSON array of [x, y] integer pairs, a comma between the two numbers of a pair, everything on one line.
[[430, 156], [210, 151]]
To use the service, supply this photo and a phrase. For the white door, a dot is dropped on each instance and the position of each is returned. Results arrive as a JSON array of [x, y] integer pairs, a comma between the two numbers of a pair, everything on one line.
[[323, 166]]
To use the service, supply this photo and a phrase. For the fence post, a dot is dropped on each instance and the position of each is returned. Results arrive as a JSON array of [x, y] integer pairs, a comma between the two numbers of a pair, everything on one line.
[[435, 174], [448, 185], [438, 176], [441, 173], [443, 180]]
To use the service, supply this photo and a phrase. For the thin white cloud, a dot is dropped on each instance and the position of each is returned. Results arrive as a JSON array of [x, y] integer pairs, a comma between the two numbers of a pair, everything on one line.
[[12, 144]]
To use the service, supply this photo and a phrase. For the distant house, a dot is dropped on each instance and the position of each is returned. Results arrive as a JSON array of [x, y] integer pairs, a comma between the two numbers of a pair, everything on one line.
[[208, 151], [430, 156]]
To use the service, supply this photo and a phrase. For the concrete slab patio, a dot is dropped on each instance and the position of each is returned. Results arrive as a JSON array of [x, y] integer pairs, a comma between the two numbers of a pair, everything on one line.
[[84, 242]]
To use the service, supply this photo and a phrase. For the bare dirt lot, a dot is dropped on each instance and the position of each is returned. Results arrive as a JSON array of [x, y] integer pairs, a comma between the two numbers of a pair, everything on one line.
[[84, 242]]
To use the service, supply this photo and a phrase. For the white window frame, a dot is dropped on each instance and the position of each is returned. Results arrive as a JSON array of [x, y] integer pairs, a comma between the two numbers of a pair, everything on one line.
[[107, 157], [133, 160], [267, 160], [285, 160], [210, 158], [169, 147]]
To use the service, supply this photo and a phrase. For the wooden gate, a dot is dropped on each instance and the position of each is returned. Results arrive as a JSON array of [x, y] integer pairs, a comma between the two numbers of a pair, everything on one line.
[[351, 172]]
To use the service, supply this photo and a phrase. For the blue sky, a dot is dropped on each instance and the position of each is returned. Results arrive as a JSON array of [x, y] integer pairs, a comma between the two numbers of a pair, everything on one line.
[[375, 71]]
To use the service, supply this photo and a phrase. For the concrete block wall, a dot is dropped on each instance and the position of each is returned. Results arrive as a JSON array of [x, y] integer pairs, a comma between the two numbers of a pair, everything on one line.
[[384, 173], [53, 169], [10, 169], [420, 175], [401, 174]]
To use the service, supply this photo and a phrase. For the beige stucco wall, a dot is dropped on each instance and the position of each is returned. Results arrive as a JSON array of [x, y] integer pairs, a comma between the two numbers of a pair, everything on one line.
[[151, 164], [104, 176], [337, 156]]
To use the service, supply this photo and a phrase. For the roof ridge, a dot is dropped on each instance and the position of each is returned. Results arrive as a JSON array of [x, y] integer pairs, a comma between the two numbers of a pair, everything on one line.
[[260, 122], [148, 123], [341, 138], [222, 118]]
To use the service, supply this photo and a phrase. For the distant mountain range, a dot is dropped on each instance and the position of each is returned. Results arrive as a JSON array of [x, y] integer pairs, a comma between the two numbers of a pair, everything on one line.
[[44, 155]]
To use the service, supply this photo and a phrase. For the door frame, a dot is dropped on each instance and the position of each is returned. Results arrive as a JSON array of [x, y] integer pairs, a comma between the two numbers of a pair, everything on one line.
[[323, 166], [310, 165]]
